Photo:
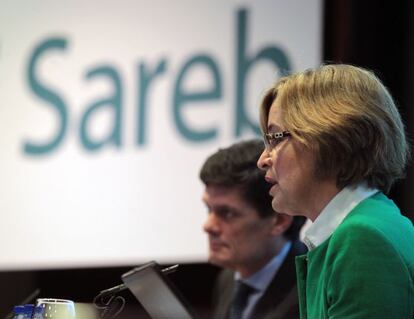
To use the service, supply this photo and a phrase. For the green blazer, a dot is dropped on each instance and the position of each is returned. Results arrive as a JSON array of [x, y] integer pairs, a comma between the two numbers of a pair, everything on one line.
[[364, 270]]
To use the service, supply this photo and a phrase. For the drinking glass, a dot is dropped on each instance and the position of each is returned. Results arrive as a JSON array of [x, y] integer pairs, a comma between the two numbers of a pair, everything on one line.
[[54, 309]]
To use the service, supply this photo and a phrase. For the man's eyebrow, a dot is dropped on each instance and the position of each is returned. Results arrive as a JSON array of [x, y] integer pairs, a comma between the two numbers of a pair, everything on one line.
[[222, 206], [225, 207]]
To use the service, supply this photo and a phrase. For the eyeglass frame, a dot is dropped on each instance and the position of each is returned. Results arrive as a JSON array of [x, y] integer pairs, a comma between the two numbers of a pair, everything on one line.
[[277, 137]]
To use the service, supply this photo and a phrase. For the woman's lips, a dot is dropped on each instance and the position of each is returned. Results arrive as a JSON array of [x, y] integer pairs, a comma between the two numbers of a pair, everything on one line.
[[272, 182]]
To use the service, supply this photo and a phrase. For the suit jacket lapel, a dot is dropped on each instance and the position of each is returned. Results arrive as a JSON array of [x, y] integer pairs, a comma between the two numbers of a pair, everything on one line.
[[279, 299], [223, 294], [282, 288]]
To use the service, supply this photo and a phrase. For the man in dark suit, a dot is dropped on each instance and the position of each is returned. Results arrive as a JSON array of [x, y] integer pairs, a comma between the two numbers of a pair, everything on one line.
[[255, 245]]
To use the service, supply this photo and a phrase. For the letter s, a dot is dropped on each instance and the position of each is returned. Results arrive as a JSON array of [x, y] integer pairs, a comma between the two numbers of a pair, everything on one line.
[[47, 95]]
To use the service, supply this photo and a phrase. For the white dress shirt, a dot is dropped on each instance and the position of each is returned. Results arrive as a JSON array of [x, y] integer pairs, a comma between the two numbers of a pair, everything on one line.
[[334, 213]]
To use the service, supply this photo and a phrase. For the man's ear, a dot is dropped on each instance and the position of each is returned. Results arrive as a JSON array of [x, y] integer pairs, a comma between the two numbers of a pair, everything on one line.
[[280, 223]]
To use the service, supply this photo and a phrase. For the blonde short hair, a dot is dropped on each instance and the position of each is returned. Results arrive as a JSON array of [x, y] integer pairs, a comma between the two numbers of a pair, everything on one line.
[[347, 117]]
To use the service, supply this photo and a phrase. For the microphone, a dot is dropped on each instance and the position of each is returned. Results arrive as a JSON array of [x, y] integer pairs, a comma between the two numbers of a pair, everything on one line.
[[122, 287], [111, 304], [113, 290]]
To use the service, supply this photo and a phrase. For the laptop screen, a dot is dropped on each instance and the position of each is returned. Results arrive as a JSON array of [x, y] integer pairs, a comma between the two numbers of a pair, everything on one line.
[[156, 292]]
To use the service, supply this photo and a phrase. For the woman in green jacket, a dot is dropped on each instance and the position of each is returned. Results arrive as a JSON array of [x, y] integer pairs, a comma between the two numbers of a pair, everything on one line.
[[335, 144]]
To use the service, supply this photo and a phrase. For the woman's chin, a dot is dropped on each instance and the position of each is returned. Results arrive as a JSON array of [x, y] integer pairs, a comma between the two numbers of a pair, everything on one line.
[[276, 205]]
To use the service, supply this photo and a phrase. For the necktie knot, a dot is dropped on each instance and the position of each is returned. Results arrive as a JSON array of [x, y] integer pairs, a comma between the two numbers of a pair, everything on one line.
[[240, 297]]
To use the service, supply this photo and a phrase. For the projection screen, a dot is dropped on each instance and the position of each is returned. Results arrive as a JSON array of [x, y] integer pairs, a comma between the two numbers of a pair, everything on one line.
[[109, 108]]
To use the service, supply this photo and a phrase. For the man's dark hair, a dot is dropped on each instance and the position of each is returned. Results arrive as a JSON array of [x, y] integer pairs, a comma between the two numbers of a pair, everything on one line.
[[236, 167]]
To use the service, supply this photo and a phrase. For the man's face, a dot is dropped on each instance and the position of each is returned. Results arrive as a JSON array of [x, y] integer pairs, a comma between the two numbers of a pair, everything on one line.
[[238, 237]]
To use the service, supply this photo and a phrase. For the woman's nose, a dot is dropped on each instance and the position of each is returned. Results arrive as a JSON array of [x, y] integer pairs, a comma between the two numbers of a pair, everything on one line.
[[264, 161]]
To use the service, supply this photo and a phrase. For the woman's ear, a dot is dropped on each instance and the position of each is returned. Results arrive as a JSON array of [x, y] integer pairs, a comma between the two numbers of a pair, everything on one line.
[[280, 223]]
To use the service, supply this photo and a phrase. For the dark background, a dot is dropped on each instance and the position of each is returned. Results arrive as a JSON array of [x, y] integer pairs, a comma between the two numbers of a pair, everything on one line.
[[376, 35]]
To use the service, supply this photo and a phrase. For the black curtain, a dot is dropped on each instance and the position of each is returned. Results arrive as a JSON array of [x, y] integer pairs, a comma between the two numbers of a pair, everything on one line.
[[378, 36]]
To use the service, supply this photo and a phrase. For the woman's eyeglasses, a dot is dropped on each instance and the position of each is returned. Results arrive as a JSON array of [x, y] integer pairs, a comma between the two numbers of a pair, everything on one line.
[[271, 140]]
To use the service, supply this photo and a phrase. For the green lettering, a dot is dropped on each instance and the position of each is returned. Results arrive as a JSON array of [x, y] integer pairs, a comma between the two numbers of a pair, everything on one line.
[[274, 54], [49, 96], [182, 98], [146, 78], [113, 102]]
